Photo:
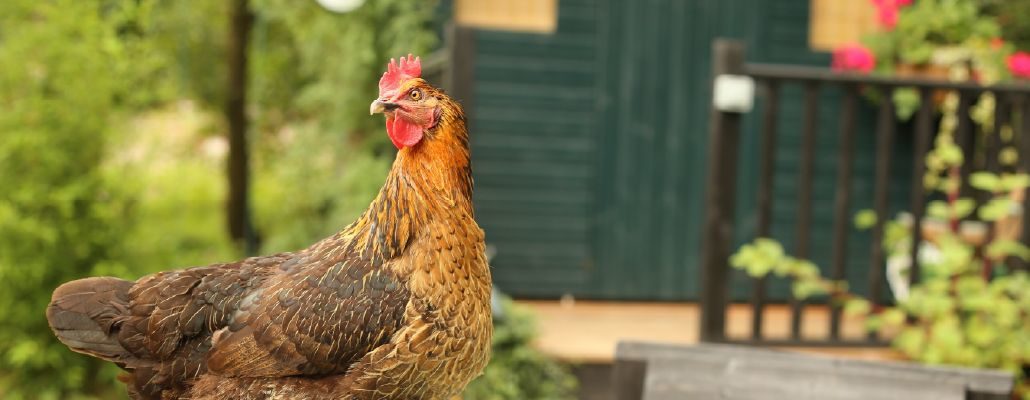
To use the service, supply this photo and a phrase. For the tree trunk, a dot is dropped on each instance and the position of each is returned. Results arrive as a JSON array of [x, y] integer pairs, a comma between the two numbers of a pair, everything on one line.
[[237, 205]]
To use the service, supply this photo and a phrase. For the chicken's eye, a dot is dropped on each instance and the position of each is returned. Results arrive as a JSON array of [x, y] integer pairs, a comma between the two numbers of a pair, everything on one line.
[[415, 94]]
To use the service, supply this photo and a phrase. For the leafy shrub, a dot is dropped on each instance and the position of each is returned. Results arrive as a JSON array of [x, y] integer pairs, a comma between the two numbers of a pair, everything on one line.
[[97, 182], [517, 371], [320, 158], [967, 308], [61, 217]]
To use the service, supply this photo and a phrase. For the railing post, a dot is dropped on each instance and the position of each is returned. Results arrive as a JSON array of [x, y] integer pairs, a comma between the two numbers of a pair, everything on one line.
[[460, 75], [724, 143]]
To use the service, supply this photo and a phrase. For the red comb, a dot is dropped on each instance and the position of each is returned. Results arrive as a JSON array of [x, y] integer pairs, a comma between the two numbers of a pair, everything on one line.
[[409, 67]]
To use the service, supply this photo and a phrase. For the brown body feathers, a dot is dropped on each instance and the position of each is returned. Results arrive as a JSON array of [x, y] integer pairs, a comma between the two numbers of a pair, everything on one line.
[[395, 306]]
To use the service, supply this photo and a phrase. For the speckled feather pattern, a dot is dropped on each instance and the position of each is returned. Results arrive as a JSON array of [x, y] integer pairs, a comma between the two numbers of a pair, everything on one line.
[[395, 306]]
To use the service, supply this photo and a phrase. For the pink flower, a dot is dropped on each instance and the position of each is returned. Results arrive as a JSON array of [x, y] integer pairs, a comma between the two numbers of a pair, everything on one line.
[[891, 3], [1019, 65], [888, 17], [887, 11], [853, 58]]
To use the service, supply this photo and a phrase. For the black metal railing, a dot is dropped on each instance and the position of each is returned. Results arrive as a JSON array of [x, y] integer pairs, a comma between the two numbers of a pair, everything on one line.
[[728, 58]]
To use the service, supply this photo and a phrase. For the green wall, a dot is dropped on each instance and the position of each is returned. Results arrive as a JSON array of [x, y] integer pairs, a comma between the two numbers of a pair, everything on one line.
[[589, 146]]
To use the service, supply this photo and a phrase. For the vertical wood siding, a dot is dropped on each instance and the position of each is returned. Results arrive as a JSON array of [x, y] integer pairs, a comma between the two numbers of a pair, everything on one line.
[[589, 146]]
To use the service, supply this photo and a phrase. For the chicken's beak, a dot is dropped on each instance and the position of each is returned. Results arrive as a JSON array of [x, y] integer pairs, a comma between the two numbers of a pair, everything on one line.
[[379, 106]]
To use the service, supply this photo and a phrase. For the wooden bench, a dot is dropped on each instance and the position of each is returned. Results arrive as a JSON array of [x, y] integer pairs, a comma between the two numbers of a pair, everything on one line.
[[646, 371]]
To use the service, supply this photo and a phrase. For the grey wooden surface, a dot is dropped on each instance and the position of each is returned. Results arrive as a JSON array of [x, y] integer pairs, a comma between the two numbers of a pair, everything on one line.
[[711, 371]]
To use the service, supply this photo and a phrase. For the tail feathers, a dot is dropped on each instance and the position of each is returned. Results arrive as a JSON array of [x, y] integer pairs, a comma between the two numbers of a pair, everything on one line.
[[85, 315]]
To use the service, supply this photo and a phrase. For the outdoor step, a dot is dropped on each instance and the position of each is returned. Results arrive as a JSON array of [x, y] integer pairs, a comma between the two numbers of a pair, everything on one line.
[[588, 331]]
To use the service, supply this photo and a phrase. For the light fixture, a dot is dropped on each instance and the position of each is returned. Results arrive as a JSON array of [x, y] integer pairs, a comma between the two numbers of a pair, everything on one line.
[[340, 6]]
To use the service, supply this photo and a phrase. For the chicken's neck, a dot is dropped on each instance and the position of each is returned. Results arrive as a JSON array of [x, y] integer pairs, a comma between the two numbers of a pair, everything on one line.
[[427, 182]]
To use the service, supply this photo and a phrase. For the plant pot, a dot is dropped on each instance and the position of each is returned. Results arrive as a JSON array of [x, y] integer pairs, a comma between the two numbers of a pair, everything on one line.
[[925, 71]]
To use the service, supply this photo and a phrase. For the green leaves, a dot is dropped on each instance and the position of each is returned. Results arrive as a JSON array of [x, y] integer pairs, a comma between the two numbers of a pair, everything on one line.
[[893, 317], [958, 209], [517, 370], [76, 77], [906, 102], [63, 81], [999, 249], [951, 155], [962, 208], [805, 288], [985, 181], [865, 219], [996, 209], [952, 316], [857, 307], [759, 258], [989, 182], [1013, 182], [938, 209]]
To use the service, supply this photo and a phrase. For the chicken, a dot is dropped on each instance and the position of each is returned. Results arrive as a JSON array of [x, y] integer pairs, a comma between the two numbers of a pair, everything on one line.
[[395, 306]]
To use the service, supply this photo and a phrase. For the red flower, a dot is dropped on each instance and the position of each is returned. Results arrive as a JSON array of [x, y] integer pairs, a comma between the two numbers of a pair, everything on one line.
[[1019, 65], [997, 43], [853, 58], [887, 11], [888, 17]]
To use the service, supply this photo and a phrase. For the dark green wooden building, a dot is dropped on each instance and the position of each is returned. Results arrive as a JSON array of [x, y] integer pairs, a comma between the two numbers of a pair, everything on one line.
[[589, 145]]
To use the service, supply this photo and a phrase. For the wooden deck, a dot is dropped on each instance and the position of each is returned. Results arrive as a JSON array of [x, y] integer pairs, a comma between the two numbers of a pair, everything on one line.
[[587, 331]]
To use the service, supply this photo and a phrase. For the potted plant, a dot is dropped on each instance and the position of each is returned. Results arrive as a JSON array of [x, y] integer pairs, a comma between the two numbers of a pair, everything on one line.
[[928, 39]]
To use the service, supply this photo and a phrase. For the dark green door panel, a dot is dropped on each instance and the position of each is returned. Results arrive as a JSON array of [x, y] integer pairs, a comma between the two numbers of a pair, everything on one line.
[[656, 96], [589, 146], [533, 152]]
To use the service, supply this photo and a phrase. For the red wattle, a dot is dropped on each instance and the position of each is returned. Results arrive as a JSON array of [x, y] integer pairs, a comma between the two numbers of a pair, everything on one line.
[[403, 133]]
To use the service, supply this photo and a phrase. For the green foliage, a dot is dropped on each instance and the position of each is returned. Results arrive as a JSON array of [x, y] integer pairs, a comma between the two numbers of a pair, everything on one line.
[[192, 36], [865, 219], [340, 57], [320, 170], [1014, 18], [960, 312], [953, 316], [517, 371], [179, 202], [926, 26], [108, 171], [316, 186], [764, 256], [929, 24], [61, 216], [938, 33]]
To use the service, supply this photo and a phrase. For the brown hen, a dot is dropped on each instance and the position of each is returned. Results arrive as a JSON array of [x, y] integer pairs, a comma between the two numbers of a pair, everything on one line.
[[395, 306]]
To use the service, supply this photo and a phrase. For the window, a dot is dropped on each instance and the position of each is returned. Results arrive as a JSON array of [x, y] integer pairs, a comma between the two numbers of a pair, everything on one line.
[[513, 15], [833, 23]]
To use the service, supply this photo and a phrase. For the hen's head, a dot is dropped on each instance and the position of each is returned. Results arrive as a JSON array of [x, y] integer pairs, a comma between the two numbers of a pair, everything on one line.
[[412, 107]]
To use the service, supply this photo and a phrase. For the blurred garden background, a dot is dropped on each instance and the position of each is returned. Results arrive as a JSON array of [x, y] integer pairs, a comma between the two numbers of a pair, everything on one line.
[[122, 124], [114, 144]]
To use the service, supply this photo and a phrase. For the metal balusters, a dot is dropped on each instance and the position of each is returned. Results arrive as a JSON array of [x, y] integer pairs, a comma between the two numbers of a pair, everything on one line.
[[922, 146], [1023, 132], [765, 198], [804, 218], [884, 147], [842, 198]]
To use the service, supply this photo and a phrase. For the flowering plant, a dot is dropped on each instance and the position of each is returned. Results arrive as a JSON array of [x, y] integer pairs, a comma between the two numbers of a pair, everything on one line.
[[1019, 65], [853, 58], [887, 11], [967, 309], [940, 39], [918, 32]]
